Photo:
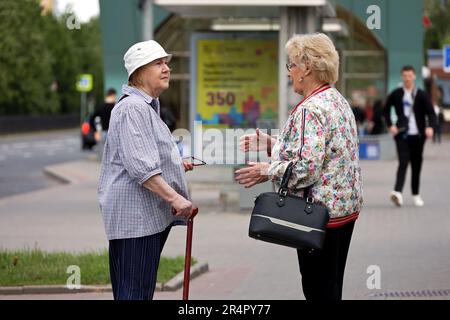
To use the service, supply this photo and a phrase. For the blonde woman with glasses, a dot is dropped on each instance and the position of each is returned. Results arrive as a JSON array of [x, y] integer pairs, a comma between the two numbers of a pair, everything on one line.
[[320, 137]]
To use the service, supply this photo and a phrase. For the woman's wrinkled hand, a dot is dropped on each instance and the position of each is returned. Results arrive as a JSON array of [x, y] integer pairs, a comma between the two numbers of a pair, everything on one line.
[[188, 166], [254, 173], [181, 206], [258, 141]]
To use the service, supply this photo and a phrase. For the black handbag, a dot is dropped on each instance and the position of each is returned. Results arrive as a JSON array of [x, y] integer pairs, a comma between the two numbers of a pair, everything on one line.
[[288, 220]]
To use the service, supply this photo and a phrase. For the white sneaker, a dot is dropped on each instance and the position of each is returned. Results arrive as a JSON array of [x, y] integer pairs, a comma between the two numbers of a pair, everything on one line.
[[397, 198], [417, 200]]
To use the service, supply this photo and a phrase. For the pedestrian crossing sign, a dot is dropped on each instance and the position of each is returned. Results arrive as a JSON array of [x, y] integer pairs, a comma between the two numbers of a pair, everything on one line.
[[85, 82], [446, 58]]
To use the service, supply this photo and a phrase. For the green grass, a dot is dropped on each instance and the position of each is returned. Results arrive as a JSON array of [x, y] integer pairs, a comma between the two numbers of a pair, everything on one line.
[[37, 267]]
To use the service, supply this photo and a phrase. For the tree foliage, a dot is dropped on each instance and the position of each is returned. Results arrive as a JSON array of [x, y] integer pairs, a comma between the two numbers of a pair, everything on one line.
[[439, 32], [25, 62], [40, 58]]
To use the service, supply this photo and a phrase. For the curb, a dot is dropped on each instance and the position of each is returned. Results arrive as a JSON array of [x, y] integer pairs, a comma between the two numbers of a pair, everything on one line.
[[177, 282], [51, 174], [65, 174], [172, 285], [52, 289]]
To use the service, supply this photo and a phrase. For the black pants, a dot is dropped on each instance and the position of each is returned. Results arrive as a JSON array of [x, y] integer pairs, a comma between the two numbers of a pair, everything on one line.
[[437, 134], [322, 271], [409, 149], [133, 265]]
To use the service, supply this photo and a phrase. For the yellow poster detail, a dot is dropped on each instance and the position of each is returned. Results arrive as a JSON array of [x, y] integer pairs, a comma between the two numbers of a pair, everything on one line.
[[237, 82]]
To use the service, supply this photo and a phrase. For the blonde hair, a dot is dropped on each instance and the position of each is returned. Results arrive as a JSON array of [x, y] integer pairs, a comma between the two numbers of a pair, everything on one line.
[[317, 52]]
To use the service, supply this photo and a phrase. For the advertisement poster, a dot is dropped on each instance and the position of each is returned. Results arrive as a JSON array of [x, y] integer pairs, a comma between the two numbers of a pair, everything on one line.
[[237, 82]]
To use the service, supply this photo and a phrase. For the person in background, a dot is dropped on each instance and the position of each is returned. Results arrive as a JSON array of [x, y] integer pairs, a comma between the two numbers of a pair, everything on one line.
[[439, 116], [415, 122], [378, 120], [359, 115], [170, 120], [440, 120], [168, 117], [103, 114]]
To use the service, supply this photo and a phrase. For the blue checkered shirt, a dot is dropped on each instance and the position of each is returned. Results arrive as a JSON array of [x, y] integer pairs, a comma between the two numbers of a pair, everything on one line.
[[139, 146]]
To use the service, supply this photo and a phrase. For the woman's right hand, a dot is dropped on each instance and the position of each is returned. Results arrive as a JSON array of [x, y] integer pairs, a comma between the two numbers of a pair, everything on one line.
[[182, 207], [258, 141]]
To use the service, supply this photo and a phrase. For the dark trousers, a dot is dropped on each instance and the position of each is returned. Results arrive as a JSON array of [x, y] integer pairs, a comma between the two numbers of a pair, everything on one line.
[[322, 271], [409, 149], [437, 134], [133, 265]]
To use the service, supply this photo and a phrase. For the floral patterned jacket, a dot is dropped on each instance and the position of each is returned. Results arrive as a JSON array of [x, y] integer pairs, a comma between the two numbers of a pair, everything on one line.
[[328, 160]]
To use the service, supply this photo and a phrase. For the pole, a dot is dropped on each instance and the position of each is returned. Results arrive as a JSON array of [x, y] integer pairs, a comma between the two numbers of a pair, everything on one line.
[[147, 20], [82, 107]]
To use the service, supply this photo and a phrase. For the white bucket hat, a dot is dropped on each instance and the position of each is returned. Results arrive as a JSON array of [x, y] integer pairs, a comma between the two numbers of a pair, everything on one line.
[[141, 53]]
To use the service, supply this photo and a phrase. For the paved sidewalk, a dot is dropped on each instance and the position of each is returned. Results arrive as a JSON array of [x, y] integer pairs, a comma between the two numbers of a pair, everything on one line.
[[408, 244]]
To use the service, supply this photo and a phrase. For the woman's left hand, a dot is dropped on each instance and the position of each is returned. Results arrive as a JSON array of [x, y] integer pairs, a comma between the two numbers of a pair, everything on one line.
[[188, 166], [256, 172]]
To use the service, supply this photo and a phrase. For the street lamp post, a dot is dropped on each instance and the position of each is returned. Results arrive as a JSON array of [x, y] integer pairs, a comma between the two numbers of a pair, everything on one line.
[[146, 7]]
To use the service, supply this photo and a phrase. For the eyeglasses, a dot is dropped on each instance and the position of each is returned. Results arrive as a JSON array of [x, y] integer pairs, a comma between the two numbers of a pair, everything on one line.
[[290, 65], [194, 161]]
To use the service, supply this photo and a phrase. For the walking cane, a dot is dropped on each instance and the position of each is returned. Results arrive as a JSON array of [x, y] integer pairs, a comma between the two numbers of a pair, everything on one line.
[[187, 259]]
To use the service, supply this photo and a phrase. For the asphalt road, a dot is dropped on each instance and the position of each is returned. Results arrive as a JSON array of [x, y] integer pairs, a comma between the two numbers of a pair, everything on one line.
[[24, 156]]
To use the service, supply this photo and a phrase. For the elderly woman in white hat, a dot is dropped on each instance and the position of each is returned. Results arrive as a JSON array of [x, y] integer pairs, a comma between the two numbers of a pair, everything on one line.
[[142, 188]]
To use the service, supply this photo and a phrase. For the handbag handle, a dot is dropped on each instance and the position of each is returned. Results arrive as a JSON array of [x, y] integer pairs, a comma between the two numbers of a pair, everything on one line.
[[283, 191], [284, 182]]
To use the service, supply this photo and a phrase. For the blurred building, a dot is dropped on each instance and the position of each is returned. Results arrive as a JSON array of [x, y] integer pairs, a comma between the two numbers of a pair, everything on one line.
[[375, 38]]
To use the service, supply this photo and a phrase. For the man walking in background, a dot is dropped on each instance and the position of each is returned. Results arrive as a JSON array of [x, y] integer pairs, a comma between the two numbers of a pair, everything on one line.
[[415, 122]]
